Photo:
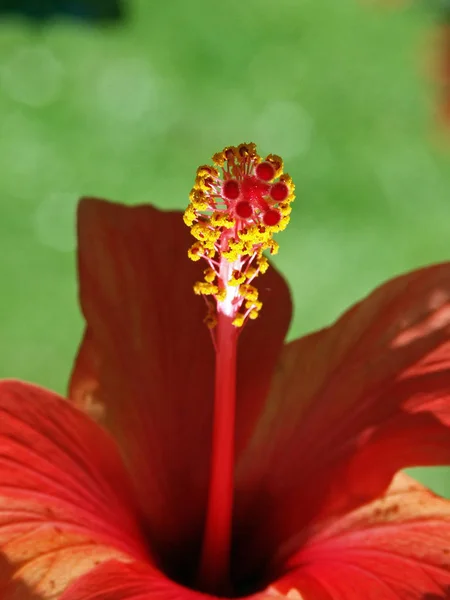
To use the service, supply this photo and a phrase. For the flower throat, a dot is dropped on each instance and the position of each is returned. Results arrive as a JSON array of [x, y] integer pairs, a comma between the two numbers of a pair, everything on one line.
[[235, 208]]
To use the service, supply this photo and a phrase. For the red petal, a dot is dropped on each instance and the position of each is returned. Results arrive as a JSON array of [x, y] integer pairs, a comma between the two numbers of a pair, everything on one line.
[[136, 581], [118, 581], [65, 504], [350, 405], [260, 345], [148, 357], [394, 548], [84, 385]]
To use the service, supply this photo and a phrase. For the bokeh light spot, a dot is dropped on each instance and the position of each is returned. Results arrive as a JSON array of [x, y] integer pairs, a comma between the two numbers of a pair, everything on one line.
[[32, 75], [286, 127], [127, 89]]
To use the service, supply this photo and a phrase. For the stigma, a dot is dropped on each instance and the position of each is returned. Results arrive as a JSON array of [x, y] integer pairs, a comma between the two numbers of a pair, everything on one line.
[[235, 208]]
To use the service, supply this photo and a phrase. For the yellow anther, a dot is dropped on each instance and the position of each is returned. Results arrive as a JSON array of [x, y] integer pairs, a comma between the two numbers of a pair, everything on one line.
[[230, 152], [203, 288], [219, 158], [196, 251], [194, 257], [209, 248], [242, 151], [195, 194], [204, 183], [251, 272], [210, 275], [189, 216], [246, 150], [244, 234], [230, 255], [256, 305], [207, 171], [254, 234], [214, 235], [236, 245], [222, 220], [235, 249], [281, 226], [248, 249], [239, 320], [221, 295], [247, 234], [262, 234], [236, 278], [201, 205], [273, 246], [249, 292], [200, 231], [263, 264], [253, 314], [287, 179], [284, 222], [285, 209], [277, 163], [204, 233], [198, 200]]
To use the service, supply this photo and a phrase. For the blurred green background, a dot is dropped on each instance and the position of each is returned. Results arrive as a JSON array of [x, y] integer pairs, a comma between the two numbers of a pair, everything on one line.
[[338, 88]]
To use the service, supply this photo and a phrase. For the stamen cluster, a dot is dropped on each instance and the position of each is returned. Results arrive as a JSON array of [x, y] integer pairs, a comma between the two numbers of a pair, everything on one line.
[[235, 208]]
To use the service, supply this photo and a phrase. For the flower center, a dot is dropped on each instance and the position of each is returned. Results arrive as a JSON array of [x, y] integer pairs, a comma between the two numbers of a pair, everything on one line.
[[235, 208]]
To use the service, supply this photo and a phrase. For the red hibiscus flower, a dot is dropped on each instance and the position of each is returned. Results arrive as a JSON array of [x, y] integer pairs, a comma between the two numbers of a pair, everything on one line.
[[225, 462]]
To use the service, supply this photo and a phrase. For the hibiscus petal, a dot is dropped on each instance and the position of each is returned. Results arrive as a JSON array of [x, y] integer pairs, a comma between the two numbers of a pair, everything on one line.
[[136, 581], [147, 359], [84, 385], [397, 547], [65, 503], [352, 404], [260, 345]]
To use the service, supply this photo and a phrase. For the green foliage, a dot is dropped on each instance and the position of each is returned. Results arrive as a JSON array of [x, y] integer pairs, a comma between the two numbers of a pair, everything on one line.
[[337, 88]]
